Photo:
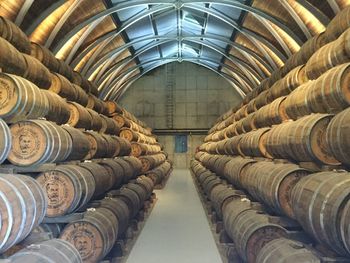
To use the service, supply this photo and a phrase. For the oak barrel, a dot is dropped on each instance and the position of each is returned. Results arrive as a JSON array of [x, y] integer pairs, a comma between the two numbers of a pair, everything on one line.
[[287, 251], [50, 251], [93, 235], [317, 202], [337, 137], [37, 142], [68, 188], [21, 99], [23, 206]]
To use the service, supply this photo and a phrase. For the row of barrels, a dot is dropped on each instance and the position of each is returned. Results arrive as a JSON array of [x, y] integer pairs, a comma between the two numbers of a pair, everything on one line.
[[320, 138], [254, 233], [318, 201], [32, 67], [134, 136], [150, 162], [23, 100], [124, 122], [160, 173], [35, 142], [70, 187], [107, 220], [327, 94], [63, 190], [313, 63]]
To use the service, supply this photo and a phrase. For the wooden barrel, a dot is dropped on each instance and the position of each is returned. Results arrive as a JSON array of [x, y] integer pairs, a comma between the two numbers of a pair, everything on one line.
[[80, 144], [344, 226], [113, 107], [54, 250], [11, 61], [262, 99], [109, 126], [296, 104], [146, 183], [45, 56], [120, 210], [79, 116], [337, 137], [20, 99], [251, 231], [330, 93], [23, 206], [37, 142], [151, 161], [93, 235], [232, 146], [330, 55], [68, 188], [36, 72], [96, 104], [221, 195], [159, 173], [135, 163], [138, 149], [13, 34], [130, 197], [251, 144], [124, 146], [58, 110], [304, 53], [139, 190], [61, 86], [272, 184], [210, 183], [235, 169], [241, 113], [112, 146], [286, 85], [287, 251], [275, 141], [115, 170], [133, 136], [270, 114], [96, 123], [234, 208], [128, 170], [65, 70], [79, 80], [121, 120], [81, 96], [103, 179], [306, 139], [5, 142], [231, 130], [337, 25], [317, 201], [248, 124]]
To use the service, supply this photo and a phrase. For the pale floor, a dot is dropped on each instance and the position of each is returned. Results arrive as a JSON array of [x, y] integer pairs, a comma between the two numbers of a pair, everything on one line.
[[177, 229]]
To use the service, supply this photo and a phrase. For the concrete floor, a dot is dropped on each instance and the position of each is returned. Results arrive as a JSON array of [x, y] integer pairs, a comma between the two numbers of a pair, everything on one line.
[[177, 229]]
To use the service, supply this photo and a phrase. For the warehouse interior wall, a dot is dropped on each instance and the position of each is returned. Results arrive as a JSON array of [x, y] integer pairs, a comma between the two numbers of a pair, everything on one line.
[[180, 96]]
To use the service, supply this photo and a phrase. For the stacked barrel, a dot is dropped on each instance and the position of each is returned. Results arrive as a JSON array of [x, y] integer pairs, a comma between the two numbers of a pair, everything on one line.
[[287, 147], [73, 153], [144, 146]]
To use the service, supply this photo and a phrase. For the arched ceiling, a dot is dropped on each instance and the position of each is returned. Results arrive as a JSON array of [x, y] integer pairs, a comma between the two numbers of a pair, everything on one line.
[[115, 42]]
